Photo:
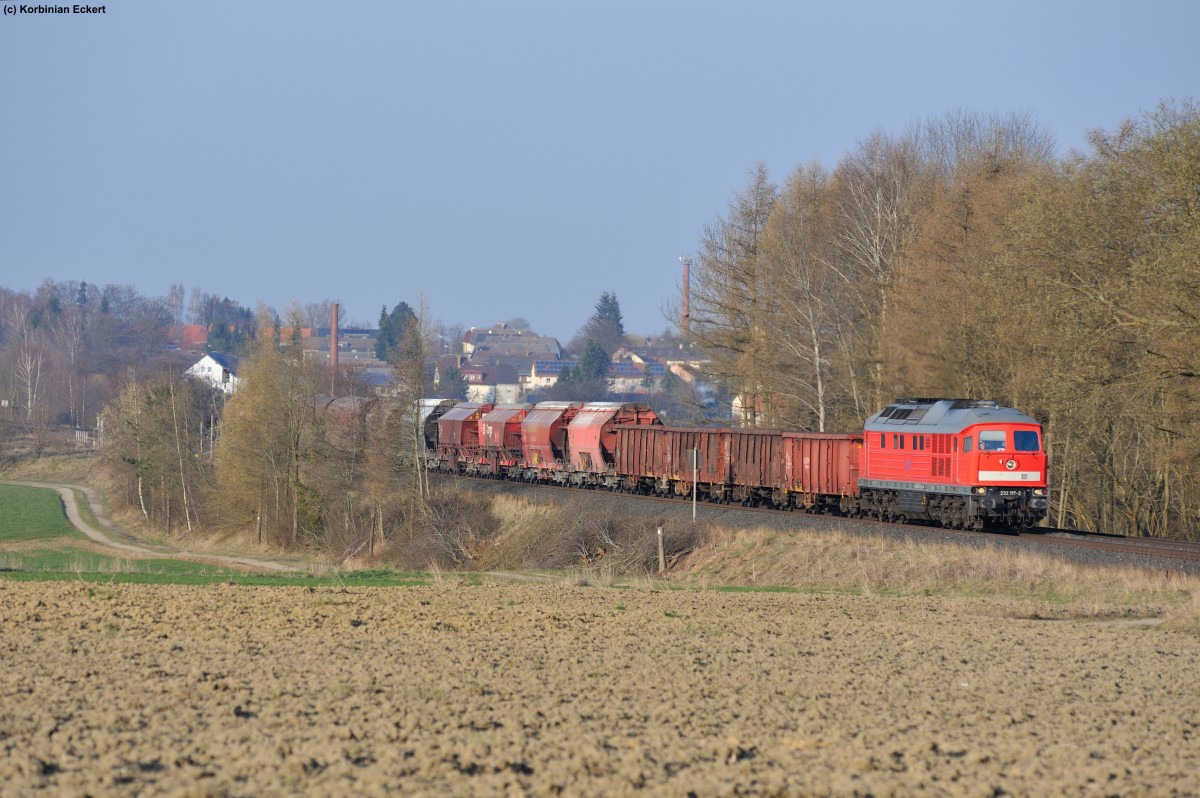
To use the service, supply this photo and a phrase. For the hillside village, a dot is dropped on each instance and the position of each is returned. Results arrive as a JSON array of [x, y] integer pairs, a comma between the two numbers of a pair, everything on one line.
[[499, 363]]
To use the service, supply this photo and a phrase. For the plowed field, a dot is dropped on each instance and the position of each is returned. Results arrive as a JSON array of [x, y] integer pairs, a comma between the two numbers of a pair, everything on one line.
[[503, 689]]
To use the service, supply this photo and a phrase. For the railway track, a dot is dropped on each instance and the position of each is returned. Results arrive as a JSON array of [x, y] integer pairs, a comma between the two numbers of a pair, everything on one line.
[[1139, 548], [1104, 541]]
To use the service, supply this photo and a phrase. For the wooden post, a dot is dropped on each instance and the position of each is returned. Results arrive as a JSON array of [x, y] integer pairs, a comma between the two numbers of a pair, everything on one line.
[[695, 479], [662, 559]]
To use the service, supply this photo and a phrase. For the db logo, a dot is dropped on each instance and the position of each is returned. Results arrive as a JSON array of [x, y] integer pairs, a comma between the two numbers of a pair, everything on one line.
[[1011, 465]]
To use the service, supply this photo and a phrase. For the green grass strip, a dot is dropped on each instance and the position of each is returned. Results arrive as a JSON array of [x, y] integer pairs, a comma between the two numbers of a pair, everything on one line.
[[210, 575], [28, 513]]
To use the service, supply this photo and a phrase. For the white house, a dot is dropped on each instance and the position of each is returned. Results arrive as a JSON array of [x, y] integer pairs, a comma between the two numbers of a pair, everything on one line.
[[218, 370]]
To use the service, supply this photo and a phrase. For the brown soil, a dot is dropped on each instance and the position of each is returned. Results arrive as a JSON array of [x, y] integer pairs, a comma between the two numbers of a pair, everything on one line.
[[540, 689]]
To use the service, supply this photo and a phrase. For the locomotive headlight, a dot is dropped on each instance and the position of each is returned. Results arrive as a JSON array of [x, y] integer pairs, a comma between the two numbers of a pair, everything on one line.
[[979, 490], [1039, 491]]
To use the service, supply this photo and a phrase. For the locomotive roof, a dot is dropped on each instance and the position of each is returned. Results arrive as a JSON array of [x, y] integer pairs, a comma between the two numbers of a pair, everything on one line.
[[943, 415]]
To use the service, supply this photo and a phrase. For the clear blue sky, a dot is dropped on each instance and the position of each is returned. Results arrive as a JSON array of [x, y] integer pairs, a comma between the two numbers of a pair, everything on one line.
[[502, 158]]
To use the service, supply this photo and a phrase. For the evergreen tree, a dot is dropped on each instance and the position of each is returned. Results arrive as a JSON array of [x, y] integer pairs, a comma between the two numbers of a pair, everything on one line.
[[608, 309], [605, 326], [395, 330], [451, 385], [593, 364], [587, 381]]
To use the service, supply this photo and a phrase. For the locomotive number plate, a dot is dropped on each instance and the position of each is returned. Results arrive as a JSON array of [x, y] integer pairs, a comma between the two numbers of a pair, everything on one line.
[[1011, 492]]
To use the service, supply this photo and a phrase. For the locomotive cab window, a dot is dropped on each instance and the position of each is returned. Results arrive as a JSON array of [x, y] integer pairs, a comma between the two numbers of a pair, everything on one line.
[[1025, 440], [966, 444], [991, 440]]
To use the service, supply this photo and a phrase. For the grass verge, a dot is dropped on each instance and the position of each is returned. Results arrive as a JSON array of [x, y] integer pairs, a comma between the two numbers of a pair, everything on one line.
[[38, 543], [33, 514]]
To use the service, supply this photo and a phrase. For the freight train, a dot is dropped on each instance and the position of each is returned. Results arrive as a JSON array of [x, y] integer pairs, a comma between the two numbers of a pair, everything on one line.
[[960, 463]]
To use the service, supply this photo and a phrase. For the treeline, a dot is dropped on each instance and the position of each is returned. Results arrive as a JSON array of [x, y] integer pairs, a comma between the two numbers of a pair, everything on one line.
[[67, 348], [279, 461], [964, 259]]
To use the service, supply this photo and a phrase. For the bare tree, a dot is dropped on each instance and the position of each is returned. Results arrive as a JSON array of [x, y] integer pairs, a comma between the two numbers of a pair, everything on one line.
[[175, 301], [874, 224], [729, 298], [154, 437], [809, 298]]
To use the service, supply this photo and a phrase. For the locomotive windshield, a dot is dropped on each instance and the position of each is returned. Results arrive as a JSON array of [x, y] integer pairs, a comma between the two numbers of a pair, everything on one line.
[[1025, 440], [991, 440]]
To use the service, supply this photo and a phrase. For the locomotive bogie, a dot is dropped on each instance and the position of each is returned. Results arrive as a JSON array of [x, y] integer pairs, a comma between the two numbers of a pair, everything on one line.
[[1012, 507]]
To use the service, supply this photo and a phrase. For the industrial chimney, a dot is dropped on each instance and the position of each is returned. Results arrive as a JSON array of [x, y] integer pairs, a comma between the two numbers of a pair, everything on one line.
[[333, 349]]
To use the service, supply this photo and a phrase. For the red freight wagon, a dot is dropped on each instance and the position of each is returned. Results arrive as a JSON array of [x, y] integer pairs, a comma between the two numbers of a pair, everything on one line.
[[544, 437], [822, 469], [756, 465], [431, 411], [500, 435], [659, 459], [638, 454], [458, 432], [593, 436]]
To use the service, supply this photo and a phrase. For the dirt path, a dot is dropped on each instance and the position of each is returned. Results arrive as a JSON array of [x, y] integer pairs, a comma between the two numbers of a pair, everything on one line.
[[135, 545]]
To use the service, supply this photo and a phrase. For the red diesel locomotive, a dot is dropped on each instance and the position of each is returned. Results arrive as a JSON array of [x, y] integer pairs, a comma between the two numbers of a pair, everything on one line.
[[956, 462], [959, 462]]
